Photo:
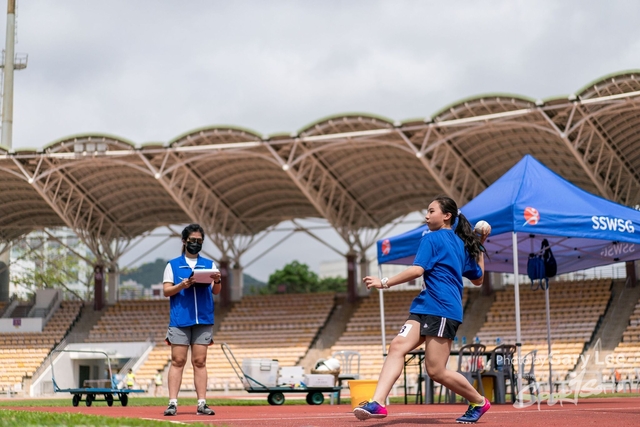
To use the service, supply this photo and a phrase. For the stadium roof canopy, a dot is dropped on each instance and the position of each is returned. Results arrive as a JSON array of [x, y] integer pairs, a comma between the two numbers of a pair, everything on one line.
[[358, 171]]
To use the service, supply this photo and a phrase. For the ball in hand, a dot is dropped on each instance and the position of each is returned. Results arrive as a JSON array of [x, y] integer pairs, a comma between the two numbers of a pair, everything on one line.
[[482, 228]]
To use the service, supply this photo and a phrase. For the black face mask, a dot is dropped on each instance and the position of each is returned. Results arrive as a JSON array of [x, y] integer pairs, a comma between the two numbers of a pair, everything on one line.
[[194, 248]]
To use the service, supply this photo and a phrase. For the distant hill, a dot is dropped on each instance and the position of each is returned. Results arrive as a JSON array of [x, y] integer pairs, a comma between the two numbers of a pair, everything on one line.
[[250, 283], [151, 273], [146, 274]]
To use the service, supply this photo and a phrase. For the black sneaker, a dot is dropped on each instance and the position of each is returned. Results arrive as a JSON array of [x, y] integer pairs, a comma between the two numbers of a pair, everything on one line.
[[171, 410], [204, 409]]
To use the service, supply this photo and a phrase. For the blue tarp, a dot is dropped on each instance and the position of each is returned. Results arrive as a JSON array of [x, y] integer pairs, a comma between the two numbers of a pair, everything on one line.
[[584, 230]]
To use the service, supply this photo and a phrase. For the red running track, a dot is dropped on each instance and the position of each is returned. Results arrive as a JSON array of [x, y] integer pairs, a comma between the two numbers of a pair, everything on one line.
[[588, 412]]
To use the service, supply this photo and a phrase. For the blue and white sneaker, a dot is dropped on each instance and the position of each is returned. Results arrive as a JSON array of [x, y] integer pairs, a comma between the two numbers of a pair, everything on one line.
[[474, 412], [370, 409]]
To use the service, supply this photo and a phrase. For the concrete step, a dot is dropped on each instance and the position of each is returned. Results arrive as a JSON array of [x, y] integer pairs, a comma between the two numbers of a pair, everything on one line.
[[334, 328], [89, 317], [609, 331], [616, 318]]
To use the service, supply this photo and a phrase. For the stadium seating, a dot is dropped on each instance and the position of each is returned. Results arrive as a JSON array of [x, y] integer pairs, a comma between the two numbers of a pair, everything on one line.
[[283, 327], [21, 354], [278, 327], [363, 331], [157, 360], [626, 356], [576, 308], [137, 320], [132, 320]]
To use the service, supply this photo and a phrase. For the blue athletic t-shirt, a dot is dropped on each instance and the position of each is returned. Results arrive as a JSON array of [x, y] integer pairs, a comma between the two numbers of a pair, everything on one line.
[[445, 261]]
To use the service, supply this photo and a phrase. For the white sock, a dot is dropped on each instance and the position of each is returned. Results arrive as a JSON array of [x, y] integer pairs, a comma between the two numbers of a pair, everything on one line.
[[173, 402], [201, 402]]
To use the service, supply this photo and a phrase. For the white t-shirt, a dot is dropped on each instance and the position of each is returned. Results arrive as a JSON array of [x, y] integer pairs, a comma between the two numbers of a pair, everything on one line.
[[168, 272]]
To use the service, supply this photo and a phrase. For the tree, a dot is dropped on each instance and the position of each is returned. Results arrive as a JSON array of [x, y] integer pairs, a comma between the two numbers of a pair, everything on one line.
[[45, 262], [332, 284], [294, 278]]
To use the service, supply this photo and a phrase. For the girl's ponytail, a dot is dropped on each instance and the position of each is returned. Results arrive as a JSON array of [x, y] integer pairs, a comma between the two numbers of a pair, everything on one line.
[[461, 226], [471, 240]]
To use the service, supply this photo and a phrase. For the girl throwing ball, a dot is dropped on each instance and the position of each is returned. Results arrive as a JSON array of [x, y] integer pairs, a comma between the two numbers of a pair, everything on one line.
[[450, 251]]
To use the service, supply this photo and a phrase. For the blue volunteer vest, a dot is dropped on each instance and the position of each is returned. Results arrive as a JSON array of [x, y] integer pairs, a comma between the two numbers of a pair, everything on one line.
[[194, 305]]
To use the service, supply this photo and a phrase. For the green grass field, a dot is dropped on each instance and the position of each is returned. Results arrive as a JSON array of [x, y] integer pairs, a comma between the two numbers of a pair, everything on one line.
[[11, 418], [151, 401]]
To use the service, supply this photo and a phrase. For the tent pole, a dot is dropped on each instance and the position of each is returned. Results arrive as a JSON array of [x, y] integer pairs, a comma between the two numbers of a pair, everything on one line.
[[546, 301], [516, 285], [382, 327]]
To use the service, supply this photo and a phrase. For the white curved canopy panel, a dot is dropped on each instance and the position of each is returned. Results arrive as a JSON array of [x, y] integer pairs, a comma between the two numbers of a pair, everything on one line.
[[358, 171]]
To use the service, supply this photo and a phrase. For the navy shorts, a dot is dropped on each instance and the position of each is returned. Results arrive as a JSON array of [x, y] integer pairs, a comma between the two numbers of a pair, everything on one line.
[[436, 326]]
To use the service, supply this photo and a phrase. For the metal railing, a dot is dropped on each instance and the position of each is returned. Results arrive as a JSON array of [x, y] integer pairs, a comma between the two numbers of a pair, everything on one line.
[[43, 367], [132, 361]]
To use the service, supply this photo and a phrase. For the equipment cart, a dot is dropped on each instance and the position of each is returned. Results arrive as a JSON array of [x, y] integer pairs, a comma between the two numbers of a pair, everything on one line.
[[315, 395], [110, 393]]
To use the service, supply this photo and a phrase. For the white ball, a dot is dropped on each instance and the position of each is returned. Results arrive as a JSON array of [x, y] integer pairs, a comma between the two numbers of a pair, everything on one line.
[[482, 228], [322, 367], [333, 364]]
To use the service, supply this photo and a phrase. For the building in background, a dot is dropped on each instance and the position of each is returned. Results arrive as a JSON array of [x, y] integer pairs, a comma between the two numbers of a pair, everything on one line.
[[56, 255]]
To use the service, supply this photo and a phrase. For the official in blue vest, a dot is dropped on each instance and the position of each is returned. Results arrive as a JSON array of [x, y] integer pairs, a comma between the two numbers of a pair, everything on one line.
[[191, 317]]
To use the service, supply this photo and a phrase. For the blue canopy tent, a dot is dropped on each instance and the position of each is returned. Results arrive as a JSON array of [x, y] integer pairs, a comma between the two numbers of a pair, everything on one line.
[[530, 203]]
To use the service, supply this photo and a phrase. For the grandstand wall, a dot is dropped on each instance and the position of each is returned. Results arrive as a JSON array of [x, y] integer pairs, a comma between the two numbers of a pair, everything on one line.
[[285, 327]]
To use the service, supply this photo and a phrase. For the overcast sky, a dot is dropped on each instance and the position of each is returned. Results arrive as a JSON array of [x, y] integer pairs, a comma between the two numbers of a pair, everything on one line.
[[150, 70]]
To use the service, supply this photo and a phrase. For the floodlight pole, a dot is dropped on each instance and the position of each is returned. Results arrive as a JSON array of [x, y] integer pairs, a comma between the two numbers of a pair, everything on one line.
[[7, 90], [7, 117]]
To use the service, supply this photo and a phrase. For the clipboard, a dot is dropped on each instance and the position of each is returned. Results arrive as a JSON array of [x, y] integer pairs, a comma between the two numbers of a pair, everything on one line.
[[203, 275]]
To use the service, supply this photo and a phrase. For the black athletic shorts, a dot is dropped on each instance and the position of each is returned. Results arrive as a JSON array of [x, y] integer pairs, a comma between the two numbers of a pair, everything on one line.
[[436, 326]]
